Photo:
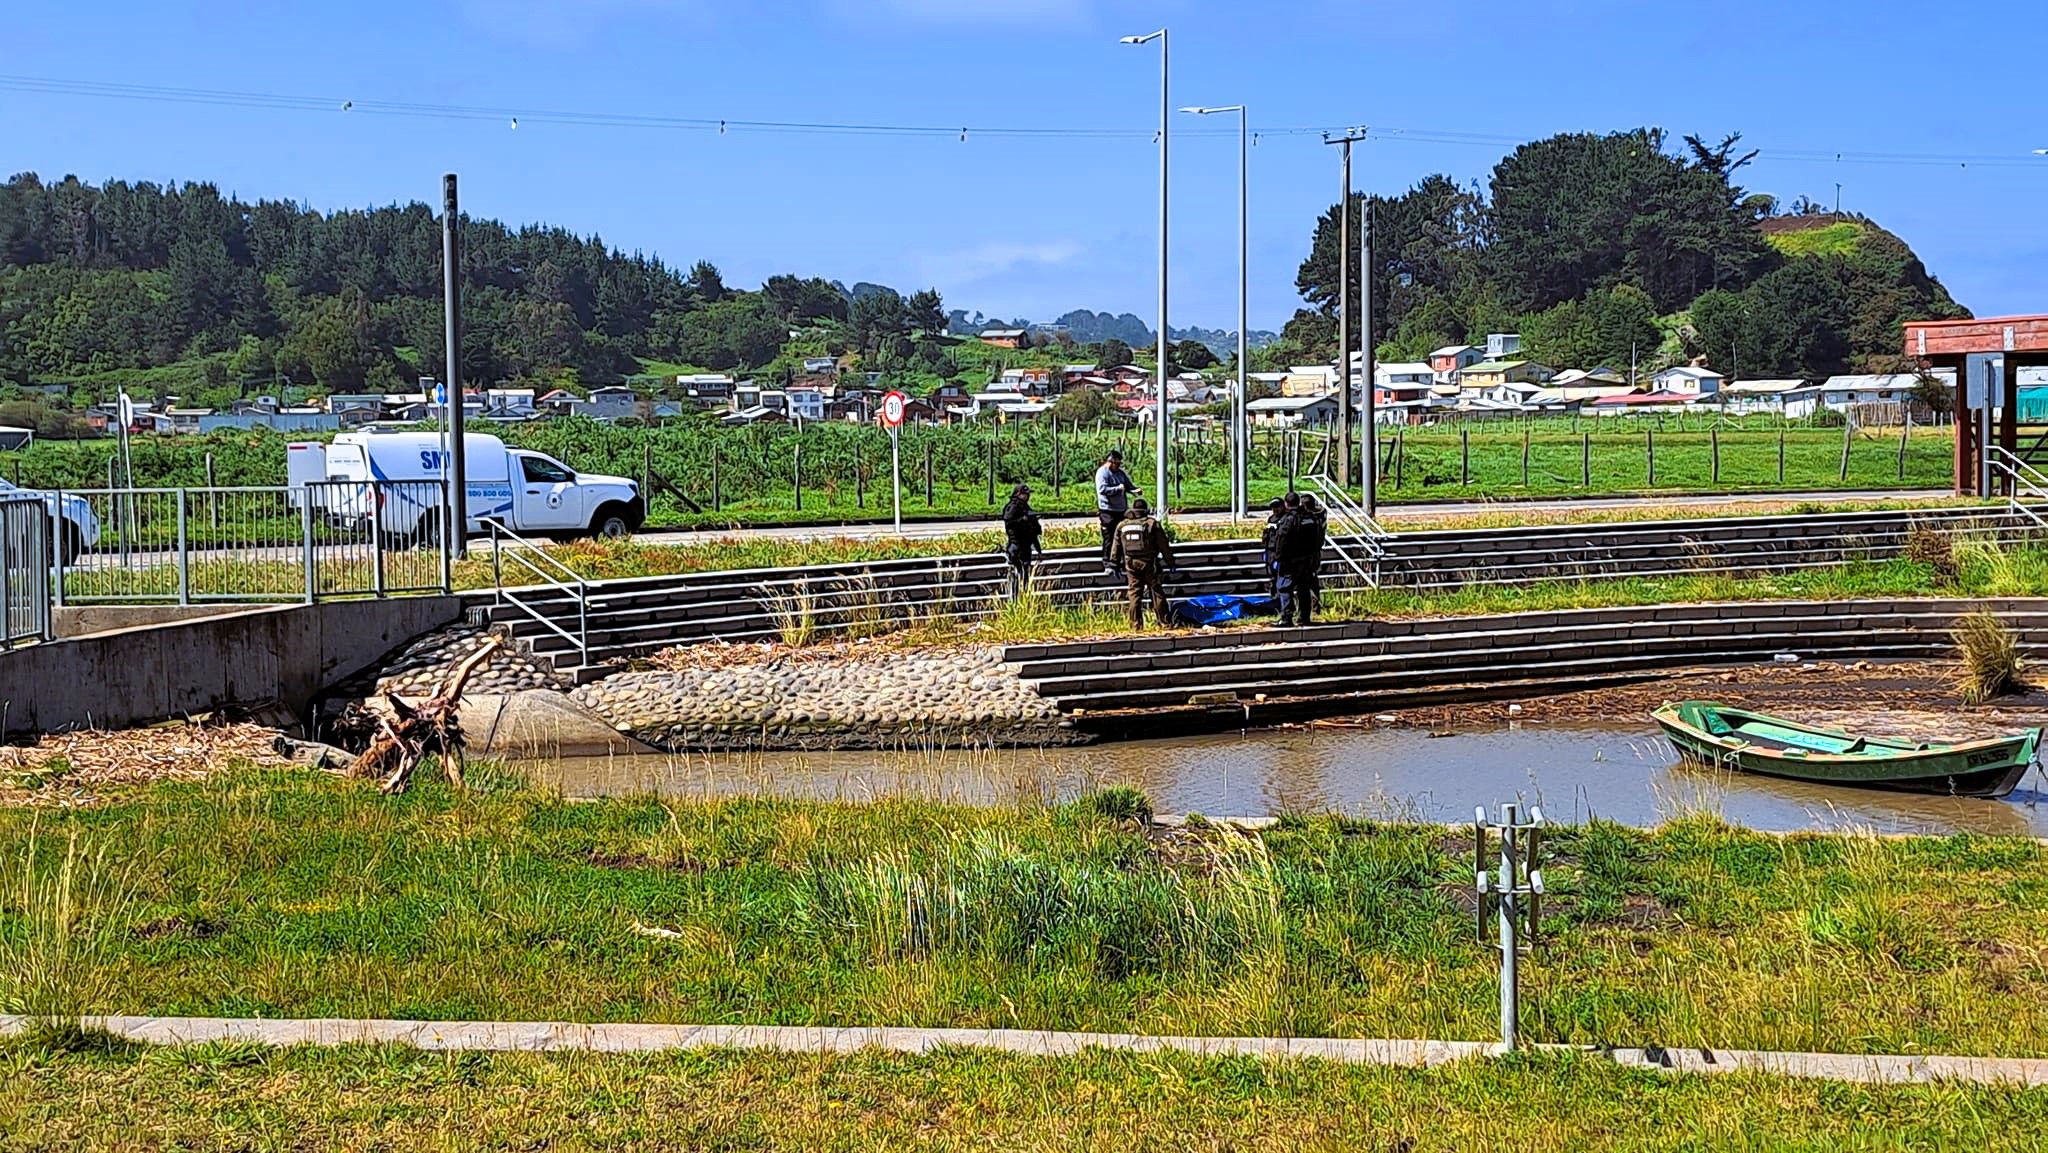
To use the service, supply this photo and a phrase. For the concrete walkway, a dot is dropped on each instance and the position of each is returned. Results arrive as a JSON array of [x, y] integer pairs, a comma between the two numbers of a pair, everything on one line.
[[561, 1036]]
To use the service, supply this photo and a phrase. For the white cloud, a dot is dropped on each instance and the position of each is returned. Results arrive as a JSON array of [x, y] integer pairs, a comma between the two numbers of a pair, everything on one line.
[[992, 258]]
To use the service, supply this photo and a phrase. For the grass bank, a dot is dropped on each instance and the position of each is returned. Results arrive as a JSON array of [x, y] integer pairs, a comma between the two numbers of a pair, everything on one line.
[[402, 1099], [277, 893]]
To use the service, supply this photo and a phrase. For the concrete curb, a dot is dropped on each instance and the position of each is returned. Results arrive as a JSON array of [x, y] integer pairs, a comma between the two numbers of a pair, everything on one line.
[[572, 1037]]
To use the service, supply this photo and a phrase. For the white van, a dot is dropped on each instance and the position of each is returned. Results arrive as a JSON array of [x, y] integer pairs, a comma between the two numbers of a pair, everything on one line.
[[532, 493]]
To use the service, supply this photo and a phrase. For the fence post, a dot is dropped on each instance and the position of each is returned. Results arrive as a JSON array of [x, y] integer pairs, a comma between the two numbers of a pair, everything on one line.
[[1714, 436], [1781, 454], [1055, 458], [1464, 455], [927, 474], [1848, 433], [1585, 459], [1650, 453], [184, 555], [377, 542], [1525, 454], [796, 473], [1400, 455], [306, 535], [991, 465], [715, 494], [1905, 428]]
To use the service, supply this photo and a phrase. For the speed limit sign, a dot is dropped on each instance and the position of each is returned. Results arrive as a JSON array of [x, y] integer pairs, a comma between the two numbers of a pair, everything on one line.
[[892, 408]]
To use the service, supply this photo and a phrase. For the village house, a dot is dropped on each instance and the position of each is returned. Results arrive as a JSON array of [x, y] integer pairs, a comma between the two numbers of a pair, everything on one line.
[[804, 403], [1004, 337], [1309, 380], [610, 403], [1476, 378], [1292, 411], [1447, 362], [1788, 398], [1687, 379]]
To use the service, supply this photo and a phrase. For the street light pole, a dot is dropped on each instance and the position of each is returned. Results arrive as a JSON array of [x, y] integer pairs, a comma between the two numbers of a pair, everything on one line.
[[1240, 471], [1344, 313], [1161, 424]]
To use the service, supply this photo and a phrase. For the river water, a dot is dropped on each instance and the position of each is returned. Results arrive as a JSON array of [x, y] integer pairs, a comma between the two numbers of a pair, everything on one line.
[[1624, 772]]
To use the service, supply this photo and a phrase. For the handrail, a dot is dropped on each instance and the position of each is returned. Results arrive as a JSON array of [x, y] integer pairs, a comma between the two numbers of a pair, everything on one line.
[[508, 545], [1364, 532], [2026, 481]]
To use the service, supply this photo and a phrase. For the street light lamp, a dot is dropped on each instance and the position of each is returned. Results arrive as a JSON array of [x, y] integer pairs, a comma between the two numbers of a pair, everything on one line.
[[1161, 425], [1240, 474]]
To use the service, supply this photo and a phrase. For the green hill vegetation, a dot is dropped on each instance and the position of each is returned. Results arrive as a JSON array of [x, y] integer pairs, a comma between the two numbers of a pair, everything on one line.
[[1603, 248]]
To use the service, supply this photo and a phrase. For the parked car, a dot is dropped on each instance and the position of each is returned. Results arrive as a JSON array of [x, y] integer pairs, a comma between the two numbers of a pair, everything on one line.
[[74, 526], [529, 492]]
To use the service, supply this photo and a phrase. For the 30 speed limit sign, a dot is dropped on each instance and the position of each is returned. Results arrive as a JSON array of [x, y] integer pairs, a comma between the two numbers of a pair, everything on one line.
[[892, 408]]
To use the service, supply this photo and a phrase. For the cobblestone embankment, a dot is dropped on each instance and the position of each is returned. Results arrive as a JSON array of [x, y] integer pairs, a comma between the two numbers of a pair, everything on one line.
[[769, 699]]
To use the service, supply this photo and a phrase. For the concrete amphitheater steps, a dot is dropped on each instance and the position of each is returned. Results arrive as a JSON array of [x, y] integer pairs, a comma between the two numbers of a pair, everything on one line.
[[635, 616], [1363, 660]]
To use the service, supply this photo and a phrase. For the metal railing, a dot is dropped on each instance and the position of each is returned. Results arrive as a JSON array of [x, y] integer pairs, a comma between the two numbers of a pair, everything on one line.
[[25, 613], [2024, 482], [553, 577], [247, 544], [1360, 541]]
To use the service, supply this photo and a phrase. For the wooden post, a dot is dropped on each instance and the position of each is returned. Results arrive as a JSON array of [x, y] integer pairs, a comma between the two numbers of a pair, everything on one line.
[[1464, 454], [1585, 458], [1781, 454], [992, 466], [717, 498], [927, 474], [1714, 434], [1055, 458], [1525, 454], [647, 470], [1905, 430], [1848, 432], [1650, 453], [1292, 450], [1400, 456], [796, 473], [860, 483]]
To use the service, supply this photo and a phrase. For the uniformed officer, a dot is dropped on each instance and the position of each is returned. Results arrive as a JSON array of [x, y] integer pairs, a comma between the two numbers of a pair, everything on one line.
[[1143, 552]]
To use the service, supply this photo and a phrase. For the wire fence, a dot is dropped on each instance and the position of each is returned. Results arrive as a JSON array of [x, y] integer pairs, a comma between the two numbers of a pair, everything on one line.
[[248, 544]]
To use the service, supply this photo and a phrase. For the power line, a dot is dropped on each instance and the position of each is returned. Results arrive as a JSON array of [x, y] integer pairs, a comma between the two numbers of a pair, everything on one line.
[[516, 116]]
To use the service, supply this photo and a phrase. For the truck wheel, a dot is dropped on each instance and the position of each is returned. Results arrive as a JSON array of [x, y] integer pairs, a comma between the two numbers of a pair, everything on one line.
[[610, 523]]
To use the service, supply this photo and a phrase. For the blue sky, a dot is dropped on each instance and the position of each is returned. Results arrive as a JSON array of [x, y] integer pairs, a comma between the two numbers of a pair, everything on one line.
[[1035, 226]]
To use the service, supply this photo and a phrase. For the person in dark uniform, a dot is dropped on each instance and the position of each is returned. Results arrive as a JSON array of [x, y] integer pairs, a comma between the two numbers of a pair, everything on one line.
[[1141, 548], [1269, 544], [1112, 496], [1020, 536], [1319, 518], [1301, 551]]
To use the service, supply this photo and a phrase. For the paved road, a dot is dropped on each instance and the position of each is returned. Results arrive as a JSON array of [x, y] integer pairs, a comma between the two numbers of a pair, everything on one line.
[[1388, 513]]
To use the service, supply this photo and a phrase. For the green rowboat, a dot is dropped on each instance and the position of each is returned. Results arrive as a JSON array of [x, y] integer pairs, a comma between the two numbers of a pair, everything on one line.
[[1726, 737]]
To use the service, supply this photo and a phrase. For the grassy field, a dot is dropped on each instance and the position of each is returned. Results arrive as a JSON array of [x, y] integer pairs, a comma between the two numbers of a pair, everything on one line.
[[402, 1099], [744, 476], [276, 893]]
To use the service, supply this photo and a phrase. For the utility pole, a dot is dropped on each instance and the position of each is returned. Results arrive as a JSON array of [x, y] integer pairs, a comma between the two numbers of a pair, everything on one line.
[[1366, 371], [1344, 310], [1240, 472], [457, 525], [1161, 422]]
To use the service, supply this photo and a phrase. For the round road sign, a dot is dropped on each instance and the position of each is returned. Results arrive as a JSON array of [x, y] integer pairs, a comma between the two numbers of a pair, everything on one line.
[[892, 408]]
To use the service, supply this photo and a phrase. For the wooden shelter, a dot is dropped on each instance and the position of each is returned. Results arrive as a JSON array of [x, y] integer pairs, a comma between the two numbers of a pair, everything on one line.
[[2023, 342]]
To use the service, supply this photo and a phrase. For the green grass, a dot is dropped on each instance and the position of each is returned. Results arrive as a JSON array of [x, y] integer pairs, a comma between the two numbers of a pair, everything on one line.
[[224, 1096], [285, 894], [1842, 238]]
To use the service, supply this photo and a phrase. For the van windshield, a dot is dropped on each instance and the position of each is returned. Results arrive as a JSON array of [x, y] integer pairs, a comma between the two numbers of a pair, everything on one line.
[[540, 470]]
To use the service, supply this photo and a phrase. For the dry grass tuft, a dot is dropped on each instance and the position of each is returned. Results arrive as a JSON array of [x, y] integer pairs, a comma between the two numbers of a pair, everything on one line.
[[1989, 655]]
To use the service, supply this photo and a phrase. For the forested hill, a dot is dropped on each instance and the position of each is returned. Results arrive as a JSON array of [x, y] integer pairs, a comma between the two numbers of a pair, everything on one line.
[[1593, 247], [1596, 246]]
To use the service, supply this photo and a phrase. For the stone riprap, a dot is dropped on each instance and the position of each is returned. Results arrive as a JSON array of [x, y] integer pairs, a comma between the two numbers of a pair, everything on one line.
[[422, 667], [959, 699]]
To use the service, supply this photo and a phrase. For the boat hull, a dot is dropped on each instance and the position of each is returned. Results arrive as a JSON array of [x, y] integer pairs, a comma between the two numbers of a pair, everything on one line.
[[1990, 768]]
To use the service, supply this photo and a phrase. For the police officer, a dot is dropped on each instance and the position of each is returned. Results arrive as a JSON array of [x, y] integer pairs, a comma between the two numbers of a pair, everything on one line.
[[1316, 520], [1141, 548], [1269, 544], [1301, 553], [1021, 536]]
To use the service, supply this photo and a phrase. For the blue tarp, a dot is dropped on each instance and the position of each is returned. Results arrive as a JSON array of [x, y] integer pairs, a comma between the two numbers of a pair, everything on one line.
[[1212, 610]]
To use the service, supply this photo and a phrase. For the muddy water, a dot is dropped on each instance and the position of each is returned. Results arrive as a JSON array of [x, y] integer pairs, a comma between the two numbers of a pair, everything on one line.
[[1625, 772]]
